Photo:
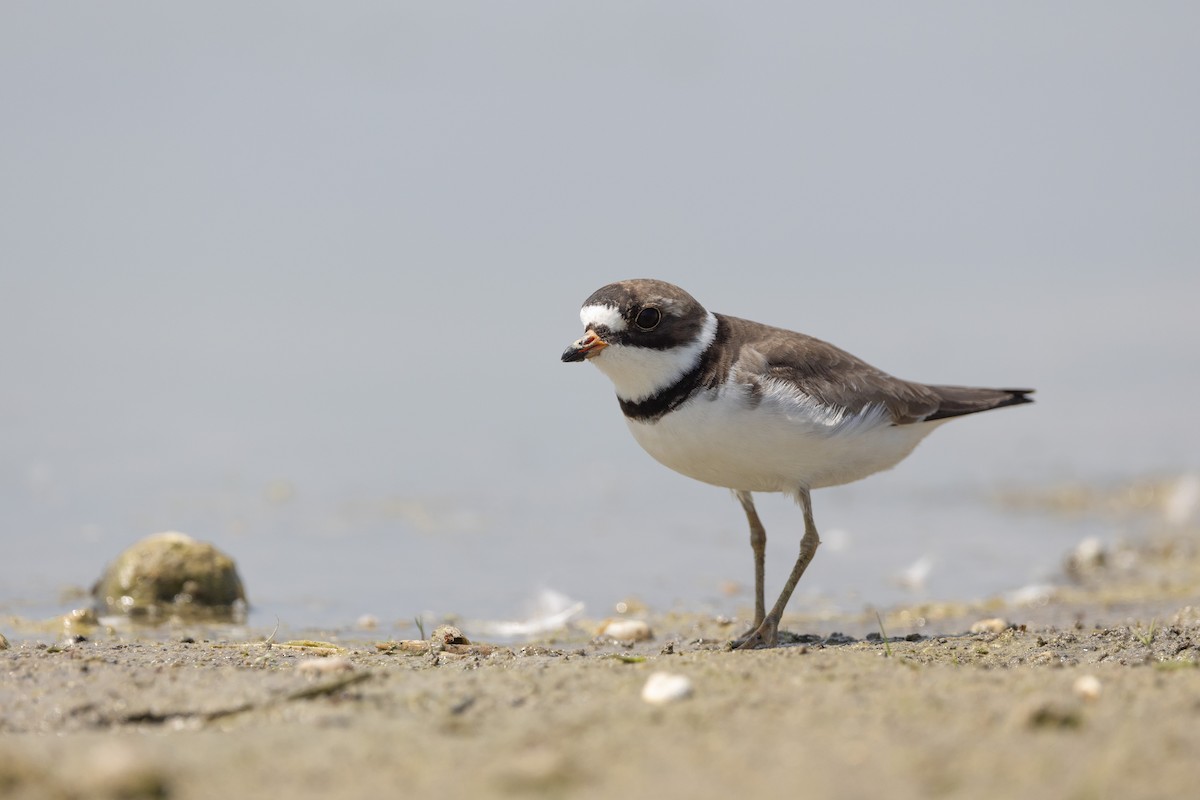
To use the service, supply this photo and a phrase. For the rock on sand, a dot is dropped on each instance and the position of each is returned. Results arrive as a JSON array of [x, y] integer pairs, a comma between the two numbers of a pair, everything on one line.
[[171, 573]]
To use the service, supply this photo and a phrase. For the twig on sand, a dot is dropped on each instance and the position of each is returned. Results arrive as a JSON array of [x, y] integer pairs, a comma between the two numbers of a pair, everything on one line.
[[306, 693]]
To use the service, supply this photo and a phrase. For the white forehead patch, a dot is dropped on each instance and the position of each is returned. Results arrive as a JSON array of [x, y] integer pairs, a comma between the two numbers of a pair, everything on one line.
[[602, 315]]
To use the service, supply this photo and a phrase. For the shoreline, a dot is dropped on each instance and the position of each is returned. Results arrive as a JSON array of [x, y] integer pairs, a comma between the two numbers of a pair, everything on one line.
[[1093, 692]]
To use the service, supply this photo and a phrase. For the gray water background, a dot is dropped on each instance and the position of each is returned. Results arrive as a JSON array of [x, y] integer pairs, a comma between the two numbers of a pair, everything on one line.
[[294, 278]]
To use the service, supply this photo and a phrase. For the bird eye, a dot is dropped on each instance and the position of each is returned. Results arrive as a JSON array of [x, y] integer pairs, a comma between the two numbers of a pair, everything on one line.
[[648, 318]]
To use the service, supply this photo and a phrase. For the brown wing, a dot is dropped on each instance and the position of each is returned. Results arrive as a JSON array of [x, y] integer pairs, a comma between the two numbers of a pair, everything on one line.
[[836, 378]]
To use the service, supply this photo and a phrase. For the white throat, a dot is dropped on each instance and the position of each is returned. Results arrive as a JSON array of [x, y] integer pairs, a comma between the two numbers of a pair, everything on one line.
[[641, 372]]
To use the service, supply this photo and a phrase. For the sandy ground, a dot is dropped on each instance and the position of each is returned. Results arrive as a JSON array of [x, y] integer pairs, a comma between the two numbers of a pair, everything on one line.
[[1094, 692]]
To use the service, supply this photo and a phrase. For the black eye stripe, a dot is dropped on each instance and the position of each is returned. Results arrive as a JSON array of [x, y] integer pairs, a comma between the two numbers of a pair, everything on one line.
[[648, 318]]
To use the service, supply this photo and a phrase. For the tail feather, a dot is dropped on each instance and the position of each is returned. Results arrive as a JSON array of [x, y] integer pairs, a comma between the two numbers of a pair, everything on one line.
[[959, 400]]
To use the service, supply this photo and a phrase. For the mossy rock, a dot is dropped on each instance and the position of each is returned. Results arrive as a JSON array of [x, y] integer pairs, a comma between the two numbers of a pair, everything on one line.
[[171, 573]]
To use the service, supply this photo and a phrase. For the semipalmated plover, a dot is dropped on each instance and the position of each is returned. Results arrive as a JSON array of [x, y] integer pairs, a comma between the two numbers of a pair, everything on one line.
[[754, 408]]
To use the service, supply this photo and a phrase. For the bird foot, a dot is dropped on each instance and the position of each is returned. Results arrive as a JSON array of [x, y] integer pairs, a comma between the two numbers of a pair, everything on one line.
[[765, 635]]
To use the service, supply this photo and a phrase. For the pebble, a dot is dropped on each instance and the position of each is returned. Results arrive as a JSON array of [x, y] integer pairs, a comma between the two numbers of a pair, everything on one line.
[[171, 573], [1087, 686], [318, 667], [666, 687], [3, 642], [626, 630], [993, 625], [448, 634]]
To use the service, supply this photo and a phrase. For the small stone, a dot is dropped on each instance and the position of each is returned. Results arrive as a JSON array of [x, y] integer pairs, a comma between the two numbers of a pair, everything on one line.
[[992, 625], [3, 642], [448, 634], [1088, 687], [318, 667], [626, 630], [666, 687]]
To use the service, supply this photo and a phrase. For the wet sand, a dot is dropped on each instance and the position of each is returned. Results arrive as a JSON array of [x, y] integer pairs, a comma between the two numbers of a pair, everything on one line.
[[1094, 692]]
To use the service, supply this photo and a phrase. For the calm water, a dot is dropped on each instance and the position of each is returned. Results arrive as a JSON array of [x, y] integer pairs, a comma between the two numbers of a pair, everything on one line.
[[365, 502], [300, 289]]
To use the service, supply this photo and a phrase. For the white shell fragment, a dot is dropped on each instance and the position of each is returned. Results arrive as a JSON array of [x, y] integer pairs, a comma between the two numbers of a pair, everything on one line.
[[626, 630], [993, 625], [1087, 686], [319, 667], [666, 687]]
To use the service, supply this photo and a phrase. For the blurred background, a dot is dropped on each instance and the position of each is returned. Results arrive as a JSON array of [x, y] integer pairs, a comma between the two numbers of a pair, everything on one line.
[[294, 278]]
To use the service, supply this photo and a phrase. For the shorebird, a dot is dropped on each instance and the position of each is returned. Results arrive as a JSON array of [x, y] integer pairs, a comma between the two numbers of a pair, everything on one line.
[[754, 408]]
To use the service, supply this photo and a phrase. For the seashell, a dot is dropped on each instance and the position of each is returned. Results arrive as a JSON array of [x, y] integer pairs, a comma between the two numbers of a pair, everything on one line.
[[626, 630], [666, 687]]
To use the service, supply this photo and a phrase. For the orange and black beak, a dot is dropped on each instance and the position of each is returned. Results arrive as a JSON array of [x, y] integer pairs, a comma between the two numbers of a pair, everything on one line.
[[587, 347]]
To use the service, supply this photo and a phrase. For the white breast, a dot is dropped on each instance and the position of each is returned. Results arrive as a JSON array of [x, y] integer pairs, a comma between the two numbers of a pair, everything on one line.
[[780, 443]]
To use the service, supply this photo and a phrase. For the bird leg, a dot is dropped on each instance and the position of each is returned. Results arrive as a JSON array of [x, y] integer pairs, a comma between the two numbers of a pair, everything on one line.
[[766, 633], [758, 542]]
